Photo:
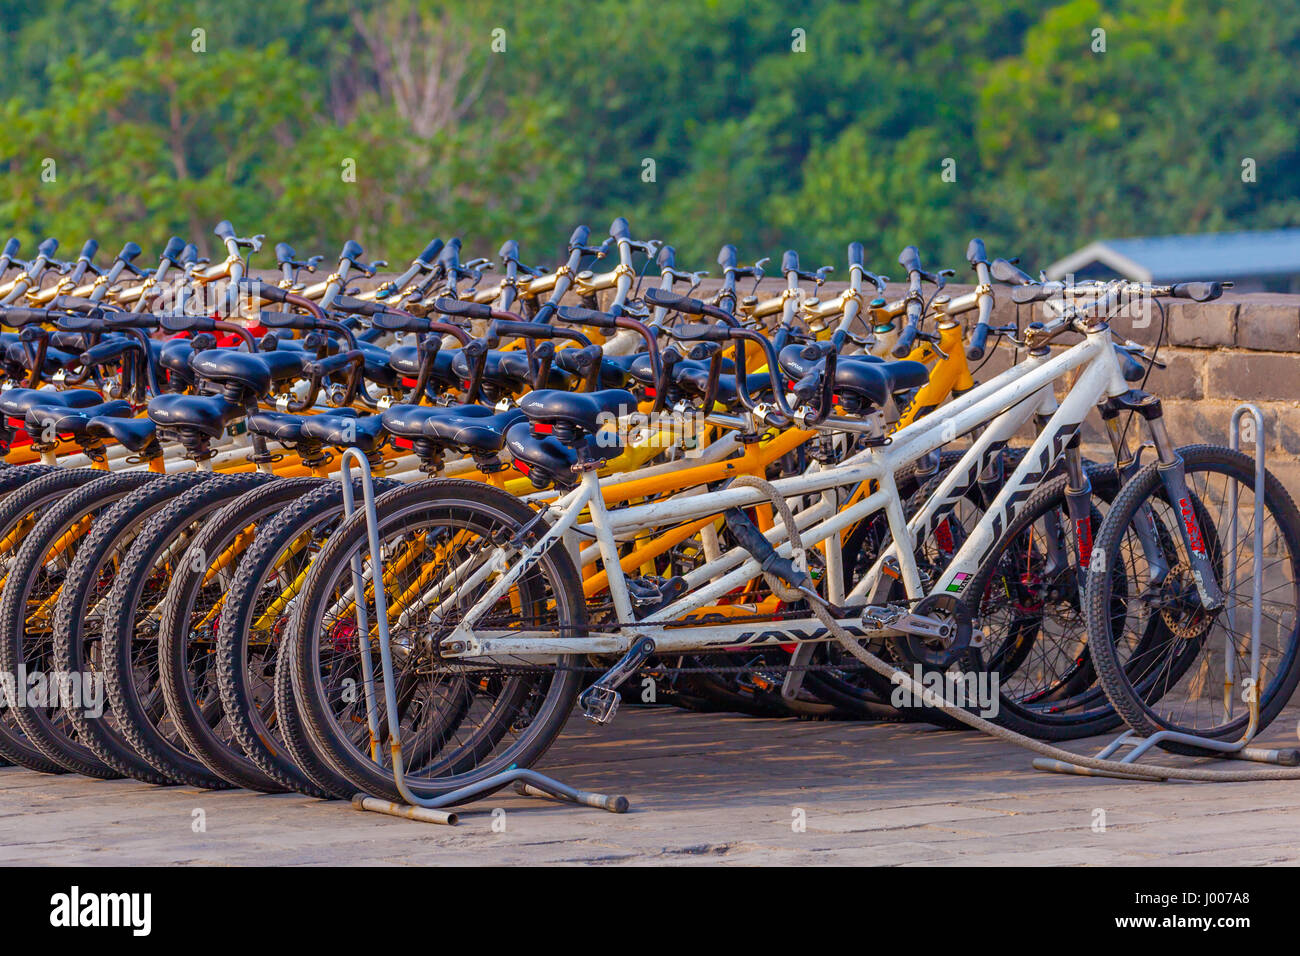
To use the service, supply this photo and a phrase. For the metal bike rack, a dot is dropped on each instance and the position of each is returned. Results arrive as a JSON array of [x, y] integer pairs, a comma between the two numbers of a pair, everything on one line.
[[428, 810], [1236, 749]]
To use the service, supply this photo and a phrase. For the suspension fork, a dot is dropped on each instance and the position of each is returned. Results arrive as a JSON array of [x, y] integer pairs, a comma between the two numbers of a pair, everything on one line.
[[1056, 558], [1173, 475], [1078, 503], [1127, 464]]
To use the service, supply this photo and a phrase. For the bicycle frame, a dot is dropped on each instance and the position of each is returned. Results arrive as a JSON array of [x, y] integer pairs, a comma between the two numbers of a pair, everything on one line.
[[1003, 404]]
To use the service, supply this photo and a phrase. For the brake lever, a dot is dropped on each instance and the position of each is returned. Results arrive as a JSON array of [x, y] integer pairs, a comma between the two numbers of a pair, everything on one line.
[[253, 242], [1139, 351], [818, 277], [1012, 335], [933, 340]]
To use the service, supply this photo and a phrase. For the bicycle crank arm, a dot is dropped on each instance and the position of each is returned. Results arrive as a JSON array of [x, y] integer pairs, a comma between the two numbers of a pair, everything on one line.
[[599, 702]]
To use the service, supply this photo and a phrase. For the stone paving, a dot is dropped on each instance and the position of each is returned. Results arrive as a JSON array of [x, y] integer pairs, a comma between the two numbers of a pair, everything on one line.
[[705, 789]]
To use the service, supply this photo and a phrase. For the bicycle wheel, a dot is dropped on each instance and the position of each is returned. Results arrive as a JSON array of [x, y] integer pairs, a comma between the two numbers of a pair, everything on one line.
[[31, 590], [196, 603], [1028, 665], [79, 615], [1026, 603], [13, 477], [844, 678], [1179, 680], [257, 611], [460, 721], [132, 613], [20, 512]]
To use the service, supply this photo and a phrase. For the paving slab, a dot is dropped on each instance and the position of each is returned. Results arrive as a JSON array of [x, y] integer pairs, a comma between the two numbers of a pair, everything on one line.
[[705, 790]]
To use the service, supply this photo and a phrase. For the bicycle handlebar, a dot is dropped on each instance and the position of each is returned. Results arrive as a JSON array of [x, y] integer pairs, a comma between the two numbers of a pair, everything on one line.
[[462, 308], [580, 237], [978, 258], [430, 254], [910, 259]]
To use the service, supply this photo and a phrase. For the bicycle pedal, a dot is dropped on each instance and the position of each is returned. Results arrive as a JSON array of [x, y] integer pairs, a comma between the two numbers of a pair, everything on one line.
[[599, 704], [600, 701]]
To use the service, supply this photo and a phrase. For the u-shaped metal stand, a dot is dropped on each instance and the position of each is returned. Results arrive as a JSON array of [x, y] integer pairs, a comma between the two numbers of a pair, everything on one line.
[[1239, 749], [429, 810]]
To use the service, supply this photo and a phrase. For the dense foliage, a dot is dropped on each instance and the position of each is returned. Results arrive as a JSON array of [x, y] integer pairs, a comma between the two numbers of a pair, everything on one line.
[[768, 122]]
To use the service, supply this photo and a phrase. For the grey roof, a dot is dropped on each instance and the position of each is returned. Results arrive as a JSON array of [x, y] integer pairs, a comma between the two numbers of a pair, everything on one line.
[[1226, 255]]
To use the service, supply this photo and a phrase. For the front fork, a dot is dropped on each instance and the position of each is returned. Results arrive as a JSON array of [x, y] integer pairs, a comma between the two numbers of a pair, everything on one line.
[[1127, 464], [1173, 476]]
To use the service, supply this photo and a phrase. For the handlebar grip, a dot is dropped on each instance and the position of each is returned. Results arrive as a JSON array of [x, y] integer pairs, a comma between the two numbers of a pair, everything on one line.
[[520, 330], [72, 303], [905, 339], [12, 247], [352, 251], [116, 321], [191, 254], [700, 332], [1008, 272], [451, 253], [910, 259], [286, 320], [430, 254], [471, 310], [129, 252], [592, 317], [109, 351], [580, 237], [670, 300], [619, 229], [224, 230], [975, 252], [728, 257], [856, 254], [81, 323], [284, 253], [396, 322], [667, 258], [1034, 292], [89, 249], [790, 261], [1198, 291], [187, 323], [256, 287], [509, 250], [345, 303], [16, 315], [975, 350], [172, 251], [48, 247]]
